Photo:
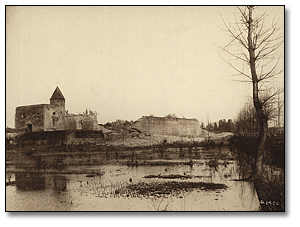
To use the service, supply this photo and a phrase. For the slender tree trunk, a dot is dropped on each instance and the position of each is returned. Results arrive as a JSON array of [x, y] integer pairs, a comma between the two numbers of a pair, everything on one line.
[[257, 104], [278, 121]]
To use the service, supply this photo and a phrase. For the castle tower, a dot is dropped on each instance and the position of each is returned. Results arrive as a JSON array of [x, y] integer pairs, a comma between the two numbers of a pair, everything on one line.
[[57, 106]]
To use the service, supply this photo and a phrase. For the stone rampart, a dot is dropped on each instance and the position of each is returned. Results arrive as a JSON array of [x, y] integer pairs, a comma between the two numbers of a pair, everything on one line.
[[168, 126], [71, 137], [81, 121]]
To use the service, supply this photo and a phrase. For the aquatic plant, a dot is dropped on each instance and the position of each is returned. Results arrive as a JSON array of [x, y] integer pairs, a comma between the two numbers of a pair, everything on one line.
[[171, 176], [157, 204], [143, 189]]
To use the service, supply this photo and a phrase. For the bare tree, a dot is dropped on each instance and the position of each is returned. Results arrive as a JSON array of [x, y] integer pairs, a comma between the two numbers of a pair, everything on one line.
[[255, 52]]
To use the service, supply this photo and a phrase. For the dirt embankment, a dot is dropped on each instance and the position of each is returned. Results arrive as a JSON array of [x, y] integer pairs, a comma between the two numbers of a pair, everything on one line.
[[124, 134], [141, 140]]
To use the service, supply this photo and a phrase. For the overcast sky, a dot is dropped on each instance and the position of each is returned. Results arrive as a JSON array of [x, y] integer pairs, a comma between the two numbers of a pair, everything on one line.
[[124, 62]]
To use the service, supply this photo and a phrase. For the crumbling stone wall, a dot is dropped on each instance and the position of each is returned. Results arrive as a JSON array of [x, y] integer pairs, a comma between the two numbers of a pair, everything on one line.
[[81, 121], [54, 119], [168, 126], [30, 117]]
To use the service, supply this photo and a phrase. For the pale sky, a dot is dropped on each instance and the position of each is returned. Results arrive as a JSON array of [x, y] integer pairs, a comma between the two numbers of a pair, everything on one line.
[[124, 62]]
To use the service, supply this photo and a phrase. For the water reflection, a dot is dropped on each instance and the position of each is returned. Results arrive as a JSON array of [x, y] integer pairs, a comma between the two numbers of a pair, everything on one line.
[[99, 192], [30, 181], [60, 183]]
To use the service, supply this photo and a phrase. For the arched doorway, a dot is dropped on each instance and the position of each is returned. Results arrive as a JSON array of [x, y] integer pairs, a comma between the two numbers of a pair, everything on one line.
[[29, 127]]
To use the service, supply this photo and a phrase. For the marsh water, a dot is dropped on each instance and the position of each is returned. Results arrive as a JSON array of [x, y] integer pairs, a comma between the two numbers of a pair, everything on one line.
[[102, 190]]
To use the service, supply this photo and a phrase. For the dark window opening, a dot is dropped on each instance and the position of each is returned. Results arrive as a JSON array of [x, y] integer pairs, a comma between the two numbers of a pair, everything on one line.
[[29, 127], [53, 113]]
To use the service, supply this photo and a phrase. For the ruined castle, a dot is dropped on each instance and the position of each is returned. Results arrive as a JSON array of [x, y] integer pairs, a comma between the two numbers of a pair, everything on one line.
[[53, 117]]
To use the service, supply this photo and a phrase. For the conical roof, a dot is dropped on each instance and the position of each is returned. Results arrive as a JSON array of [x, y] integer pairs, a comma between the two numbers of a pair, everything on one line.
[[57, 94]]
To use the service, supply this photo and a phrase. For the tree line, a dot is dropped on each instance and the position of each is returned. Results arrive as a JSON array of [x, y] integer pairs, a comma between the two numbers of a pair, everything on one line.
[[221, 126], [247, 120]]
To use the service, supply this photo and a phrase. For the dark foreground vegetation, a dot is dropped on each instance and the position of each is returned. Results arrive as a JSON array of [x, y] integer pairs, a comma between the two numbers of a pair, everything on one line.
[[269, 185], [153, 189], [171, 187]]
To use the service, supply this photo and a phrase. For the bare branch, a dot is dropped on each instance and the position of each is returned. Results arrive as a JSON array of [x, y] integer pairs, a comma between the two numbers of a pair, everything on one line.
[[239, 71]]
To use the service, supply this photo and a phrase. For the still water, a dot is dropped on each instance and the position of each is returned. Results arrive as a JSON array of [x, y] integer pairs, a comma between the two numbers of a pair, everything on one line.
[[96, 192]]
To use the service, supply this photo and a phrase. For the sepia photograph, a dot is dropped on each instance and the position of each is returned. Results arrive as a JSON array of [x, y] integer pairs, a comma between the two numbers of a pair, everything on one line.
[[145, 108]]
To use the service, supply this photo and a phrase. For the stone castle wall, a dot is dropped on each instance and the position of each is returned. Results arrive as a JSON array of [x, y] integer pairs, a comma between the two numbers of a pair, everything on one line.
[[54, 119], [33, 115], [168, 126], [81, 121]]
